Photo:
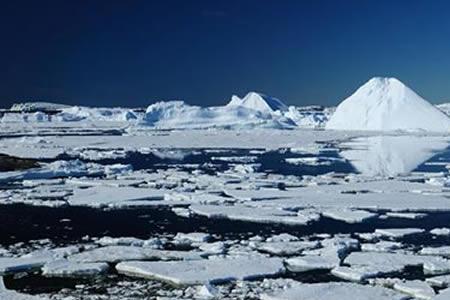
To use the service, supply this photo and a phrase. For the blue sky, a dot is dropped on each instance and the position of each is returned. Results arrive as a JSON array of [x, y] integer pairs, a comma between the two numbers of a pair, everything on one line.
[[133, 53]]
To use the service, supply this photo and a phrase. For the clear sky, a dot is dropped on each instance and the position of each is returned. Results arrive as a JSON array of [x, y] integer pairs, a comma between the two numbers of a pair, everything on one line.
[[133, 53]]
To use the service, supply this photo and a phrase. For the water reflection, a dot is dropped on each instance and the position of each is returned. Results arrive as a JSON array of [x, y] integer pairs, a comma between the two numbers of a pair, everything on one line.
[[392, 155]]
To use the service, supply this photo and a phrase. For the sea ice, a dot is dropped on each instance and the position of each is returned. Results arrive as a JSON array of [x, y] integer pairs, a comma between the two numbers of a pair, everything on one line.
[[121, 241], [382, 246], [286, 248], [364, 265], [282, 237], [11, 265], [115, 254], [349, 215], [443, 295], [53, 170], [65, 268], [100, 196], [204, 271], [442, 281], [192, 237], [412, 216], [440, 231], [255, 214], [397, 233], [334, 290], [416, 288], [438, 251], [310, 263]]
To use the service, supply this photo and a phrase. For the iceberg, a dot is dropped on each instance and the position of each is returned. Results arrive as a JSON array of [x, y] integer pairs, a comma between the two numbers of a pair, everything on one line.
[[258, 102], [79, 113], [37, 106], [386, 104], [254, 110], [43, 112]]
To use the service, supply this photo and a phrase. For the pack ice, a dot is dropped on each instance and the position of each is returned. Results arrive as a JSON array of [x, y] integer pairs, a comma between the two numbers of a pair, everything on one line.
[[386, 104]]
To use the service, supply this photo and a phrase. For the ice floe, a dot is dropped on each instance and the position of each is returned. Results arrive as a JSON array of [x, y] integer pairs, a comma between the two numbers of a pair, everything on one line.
[[114, 254], [397, 233], [99, 196], [204, 271], [254, 214], [365, 265], [442, 281], [11, 265], [416, 288], [440, 231], [286, 248], [65, 268], [310, 263], [437, 251]]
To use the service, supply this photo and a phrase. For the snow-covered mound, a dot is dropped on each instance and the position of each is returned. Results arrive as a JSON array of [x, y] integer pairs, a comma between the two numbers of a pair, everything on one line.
[[258, 102], [177, 114], [387, 104], [37, 106]]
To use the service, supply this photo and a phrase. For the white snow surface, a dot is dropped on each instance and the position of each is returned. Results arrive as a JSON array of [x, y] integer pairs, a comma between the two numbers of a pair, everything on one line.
[[386, 104]]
